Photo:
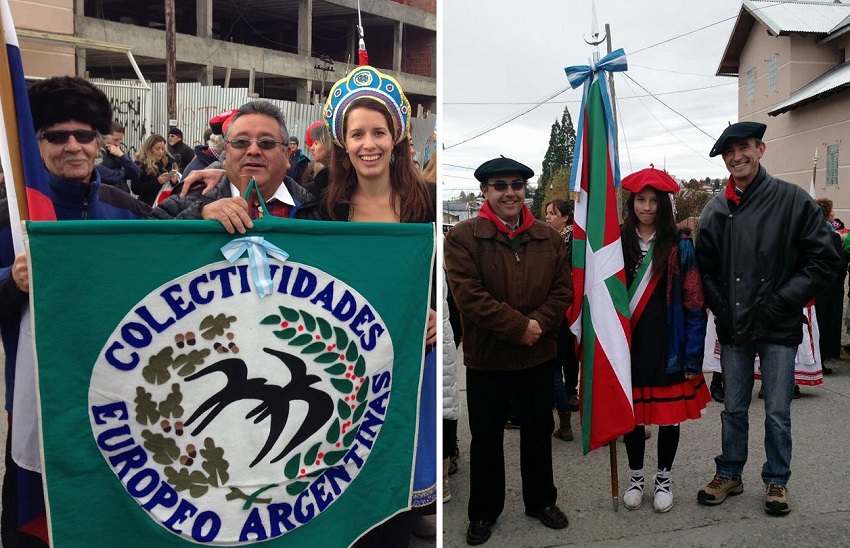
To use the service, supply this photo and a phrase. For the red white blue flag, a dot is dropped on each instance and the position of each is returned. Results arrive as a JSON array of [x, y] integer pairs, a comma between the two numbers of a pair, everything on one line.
[[601, 303], [23, 168]]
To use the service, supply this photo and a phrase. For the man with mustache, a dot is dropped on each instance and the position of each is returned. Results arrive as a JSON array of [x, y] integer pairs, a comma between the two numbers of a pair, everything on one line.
[[510, 278], [255, 147], [71, 117]]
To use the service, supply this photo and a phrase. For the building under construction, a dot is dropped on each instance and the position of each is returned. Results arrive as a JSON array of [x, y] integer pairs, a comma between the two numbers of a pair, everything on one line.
[[283, 49]]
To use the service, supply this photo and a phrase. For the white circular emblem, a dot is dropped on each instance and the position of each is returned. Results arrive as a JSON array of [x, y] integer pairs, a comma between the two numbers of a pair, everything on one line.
[[233, 419]]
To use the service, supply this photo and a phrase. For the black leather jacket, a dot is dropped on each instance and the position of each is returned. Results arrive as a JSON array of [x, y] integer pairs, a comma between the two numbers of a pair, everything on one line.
[[763, 260]]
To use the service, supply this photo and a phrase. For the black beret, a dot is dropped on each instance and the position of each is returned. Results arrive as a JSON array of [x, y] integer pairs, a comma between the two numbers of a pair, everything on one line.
[[65, 98], [502, 165], [739, 132], [175, 131]]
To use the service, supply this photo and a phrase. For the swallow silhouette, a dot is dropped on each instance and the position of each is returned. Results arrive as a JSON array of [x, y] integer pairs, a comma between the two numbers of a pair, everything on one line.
[[274, 400]]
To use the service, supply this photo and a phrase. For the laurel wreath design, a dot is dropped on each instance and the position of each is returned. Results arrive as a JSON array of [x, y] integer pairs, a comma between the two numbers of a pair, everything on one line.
[[331, 347]]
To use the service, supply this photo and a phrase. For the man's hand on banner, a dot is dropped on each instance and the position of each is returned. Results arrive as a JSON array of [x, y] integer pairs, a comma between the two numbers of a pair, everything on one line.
[[532, 333], [209, 178], [232, 213], [431, 330], [21, 273]]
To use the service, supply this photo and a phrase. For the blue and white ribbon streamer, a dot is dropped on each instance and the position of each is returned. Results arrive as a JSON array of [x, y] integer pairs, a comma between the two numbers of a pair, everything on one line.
[[584, 74], [259, 251]]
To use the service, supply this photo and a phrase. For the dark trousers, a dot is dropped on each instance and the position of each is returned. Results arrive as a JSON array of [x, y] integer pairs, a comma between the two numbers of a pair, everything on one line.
[[9, 534], [487, 395]]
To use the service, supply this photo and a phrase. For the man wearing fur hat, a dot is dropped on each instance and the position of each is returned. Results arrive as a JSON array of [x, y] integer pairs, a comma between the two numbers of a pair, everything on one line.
[[70, 116], [763, 252], [510, 277]]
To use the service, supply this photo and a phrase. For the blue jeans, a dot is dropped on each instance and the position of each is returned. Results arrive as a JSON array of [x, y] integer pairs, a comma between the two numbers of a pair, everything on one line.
[[777, 377]]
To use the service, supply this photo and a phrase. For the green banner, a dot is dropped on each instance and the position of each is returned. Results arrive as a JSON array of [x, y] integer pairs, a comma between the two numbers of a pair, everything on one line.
[[179, 404]]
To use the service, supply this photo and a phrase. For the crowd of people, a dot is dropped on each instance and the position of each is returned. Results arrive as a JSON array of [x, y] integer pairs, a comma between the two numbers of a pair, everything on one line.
[[740, 286], [366, 173]]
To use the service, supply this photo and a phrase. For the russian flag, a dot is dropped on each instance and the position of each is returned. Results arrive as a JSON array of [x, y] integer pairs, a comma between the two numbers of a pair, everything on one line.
[[23, 169]]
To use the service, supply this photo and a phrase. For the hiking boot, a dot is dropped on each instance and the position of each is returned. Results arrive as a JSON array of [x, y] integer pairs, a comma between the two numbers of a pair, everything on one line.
[[718, 489], [633, 497], [776, 500], [663, 501], [565, 430]]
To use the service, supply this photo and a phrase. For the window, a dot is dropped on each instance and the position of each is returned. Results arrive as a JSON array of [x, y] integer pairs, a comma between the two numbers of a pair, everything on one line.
[[771, 73], [751, 84], [832, 165]]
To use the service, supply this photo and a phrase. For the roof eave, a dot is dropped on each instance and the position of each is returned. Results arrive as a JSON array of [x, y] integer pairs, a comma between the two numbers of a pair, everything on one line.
[[808, 100], [737, 39]]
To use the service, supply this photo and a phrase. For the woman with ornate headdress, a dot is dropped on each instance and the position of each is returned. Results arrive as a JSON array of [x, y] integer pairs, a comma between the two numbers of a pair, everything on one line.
[[668, 323], [372, 178]]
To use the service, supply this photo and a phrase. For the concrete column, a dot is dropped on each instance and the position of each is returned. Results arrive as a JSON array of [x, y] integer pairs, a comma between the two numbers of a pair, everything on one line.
[[398, 36], [204, 75], [80, 61], [305, 27], [305, 45], [204, 20]]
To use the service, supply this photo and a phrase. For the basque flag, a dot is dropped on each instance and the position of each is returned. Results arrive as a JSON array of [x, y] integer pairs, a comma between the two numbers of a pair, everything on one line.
[[601, 302], [23, 169]]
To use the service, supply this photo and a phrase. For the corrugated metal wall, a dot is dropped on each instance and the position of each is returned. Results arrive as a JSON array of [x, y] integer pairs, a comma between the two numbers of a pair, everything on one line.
[[143, 112]]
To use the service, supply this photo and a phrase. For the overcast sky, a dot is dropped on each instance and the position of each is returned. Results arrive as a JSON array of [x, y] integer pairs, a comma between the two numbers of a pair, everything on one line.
[[500, 57]]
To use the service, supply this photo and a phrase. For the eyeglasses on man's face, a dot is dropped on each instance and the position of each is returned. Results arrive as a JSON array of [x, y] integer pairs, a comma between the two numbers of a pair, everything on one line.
[[502, 186], [61, 136], [265, 144]]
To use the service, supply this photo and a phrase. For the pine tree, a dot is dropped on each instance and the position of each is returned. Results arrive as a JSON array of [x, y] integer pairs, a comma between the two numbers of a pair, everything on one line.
[[558, 158]]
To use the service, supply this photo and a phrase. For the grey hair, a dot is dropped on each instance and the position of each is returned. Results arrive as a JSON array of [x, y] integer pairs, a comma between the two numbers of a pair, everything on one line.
[[266, 109]]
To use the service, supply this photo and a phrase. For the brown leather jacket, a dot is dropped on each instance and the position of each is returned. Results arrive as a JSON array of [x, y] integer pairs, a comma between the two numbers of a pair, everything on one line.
[[500, 285]]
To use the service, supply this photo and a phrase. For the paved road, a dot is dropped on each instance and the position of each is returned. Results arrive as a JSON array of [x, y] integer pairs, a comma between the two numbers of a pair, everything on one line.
[[819, 487]]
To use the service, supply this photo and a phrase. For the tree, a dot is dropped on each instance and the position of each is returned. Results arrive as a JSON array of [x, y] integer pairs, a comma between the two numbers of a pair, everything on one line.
[[690, 200], [462, 197], [558, 158]]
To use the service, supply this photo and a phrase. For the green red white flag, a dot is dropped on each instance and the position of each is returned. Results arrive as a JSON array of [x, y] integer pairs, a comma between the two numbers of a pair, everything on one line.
[[600, 310]]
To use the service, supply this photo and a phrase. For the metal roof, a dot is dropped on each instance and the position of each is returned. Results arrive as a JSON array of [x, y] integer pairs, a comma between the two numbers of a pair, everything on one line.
[[781, 18], [803, 17], [832, 81]]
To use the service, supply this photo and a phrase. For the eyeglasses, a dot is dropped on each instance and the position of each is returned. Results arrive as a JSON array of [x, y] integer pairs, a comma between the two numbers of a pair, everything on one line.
[[61, 136], [502, 186], [265, 144]]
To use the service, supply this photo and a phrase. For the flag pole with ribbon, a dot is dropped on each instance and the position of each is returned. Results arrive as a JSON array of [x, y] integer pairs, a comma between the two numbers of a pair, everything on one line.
[[600, 309]]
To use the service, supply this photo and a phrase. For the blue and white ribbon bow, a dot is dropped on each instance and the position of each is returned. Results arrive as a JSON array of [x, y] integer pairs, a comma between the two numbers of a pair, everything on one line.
[[613, 62], [258, 252], [588, 75]]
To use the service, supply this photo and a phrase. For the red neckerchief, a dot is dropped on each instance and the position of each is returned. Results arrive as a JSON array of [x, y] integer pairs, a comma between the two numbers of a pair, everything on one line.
[[486, 212], [732, 192]]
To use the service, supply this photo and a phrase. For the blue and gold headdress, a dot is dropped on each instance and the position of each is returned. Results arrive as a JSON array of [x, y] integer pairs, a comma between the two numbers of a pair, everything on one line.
[[370, 83]]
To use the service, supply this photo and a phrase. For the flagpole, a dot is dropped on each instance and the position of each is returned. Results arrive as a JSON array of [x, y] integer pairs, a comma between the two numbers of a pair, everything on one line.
[[10, 120], [612, 446]]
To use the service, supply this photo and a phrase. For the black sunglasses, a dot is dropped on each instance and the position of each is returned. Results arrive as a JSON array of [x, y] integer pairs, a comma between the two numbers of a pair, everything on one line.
[[265, 144], [502, 186], [61, 136]]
